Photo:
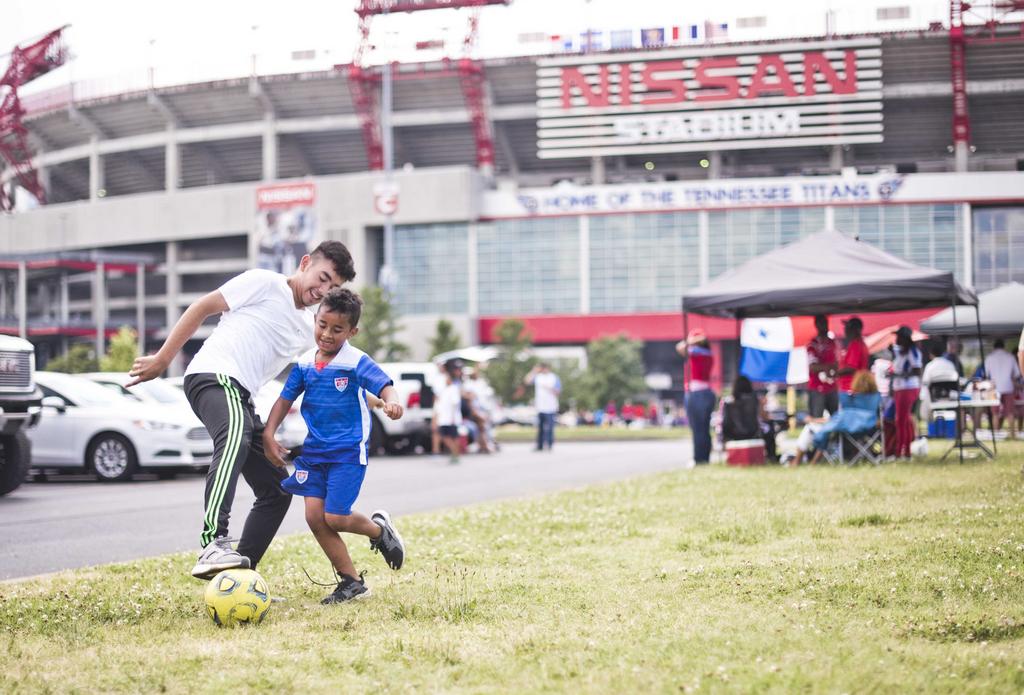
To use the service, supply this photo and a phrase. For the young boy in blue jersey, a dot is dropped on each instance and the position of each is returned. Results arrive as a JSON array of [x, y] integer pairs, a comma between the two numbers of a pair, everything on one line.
[[341, 384]]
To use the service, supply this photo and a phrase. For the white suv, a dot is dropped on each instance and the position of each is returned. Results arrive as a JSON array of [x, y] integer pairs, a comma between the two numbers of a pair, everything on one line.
[[415, 383]]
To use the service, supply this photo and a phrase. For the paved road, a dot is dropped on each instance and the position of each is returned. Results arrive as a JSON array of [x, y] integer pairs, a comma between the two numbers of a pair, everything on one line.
[[51, 526]]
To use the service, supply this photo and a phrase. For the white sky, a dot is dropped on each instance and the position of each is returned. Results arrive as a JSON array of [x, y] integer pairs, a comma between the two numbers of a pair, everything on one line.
[[114, 42]]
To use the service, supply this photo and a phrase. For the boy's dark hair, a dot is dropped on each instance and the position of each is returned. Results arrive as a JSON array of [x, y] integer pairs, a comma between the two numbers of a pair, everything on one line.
[[340, 258], [1000, 343], [344, 302]]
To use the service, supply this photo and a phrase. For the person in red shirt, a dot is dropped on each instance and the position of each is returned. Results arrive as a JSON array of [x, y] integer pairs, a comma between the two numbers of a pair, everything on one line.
[[854, 356], [822, 359], [700, 399]]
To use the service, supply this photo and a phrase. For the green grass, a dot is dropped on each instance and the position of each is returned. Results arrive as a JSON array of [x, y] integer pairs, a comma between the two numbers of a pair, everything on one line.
[[516, 433], [901, 578]]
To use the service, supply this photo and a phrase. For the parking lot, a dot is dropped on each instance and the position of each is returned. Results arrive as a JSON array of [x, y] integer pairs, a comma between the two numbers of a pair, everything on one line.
[[74, 521]]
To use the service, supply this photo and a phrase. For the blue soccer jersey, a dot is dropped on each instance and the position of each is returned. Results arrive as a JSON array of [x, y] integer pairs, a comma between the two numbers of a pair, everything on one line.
[[334, 406]]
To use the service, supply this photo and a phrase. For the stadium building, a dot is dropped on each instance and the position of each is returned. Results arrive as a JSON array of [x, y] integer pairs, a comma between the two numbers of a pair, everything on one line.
[[619, 180]]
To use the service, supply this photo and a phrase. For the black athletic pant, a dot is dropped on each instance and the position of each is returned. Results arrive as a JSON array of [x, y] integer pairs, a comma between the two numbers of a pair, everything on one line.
[[226, 410]]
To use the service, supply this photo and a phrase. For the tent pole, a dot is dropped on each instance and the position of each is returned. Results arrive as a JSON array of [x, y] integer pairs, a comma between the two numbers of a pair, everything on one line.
[[739, 345], [686, 361], [981, 349], [959, 408]]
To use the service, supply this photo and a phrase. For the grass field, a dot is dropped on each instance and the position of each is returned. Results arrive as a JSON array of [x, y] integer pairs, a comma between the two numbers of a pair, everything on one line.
[[516, 433], [902, 578]]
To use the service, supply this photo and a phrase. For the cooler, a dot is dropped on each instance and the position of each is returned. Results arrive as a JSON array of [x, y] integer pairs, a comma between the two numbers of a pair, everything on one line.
[[744, 452]]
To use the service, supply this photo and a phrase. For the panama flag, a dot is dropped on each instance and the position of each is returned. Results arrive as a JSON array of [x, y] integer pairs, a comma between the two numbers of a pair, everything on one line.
[[774, 349]]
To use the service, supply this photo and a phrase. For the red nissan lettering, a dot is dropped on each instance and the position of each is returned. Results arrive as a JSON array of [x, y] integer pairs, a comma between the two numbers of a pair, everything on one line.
[[782, 82], [572, 77], [815, 63], [722, 87], [675, 88]]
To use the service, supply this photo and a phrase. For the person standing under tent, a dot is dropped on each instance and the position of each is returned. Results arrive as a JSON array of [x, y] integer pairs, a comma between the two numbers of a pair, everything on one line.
[[822, 358], [700, 399], [906, 386], [1005, 374], [854, 357]]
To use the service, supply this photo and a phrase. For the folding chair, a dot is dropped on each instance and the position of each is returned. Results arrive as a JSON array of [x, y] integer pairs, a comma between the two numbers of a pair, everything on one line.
[[855, 434]]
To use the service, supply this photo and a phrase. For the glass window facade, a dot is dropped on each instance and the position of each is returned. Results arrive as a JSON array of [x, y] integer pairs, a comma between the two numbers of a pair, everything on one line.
[[529, 266], [998, 246], [926, 235], [432, 262], [736, 236], [643, 262]]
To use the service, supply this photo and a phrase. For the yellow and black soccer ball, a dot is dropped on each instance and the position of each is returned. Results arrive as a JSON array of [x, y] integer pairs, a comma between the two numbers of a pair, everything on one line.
[[236, 597]]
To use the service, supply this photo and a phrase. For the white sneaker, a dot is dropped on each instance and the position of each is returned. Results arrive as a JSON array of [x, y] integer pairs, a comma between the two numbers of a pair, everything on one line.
[[217, 557]]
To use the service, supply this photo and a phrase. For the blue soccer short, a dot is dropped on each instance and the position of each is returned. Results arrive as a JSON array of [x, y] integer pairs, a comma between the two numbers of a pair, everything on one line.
[[337, 484]]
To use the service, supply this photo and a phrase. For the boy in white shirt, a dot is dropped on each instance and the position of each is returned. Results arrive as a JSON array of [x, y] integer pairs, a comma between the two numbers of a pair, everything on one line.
[[449, 415], [266, 320]]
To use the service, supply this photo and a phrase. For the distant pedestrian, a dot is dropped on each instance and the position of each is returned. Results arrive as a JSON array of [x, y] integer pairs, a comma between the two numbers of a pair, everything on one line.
[[547, 387], [448, 412]]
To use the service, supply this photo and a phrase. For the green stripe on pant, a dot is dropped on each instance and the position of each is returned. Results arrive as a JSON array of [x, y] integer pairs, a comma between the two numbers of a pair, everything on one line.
[[236, 429]]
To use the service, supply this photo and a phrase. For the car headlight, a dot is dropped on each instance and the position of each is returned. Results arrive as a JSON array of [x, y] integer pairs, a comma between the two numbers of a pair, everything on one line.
[[155, 425]]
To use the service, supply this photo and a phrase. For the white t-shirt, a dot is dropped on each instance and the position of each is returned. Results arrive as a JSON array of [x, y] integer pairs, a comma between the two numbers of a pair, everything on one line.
[[546, 386], [259, 335], [939, 370], [902, 363], [880, 370], [1002, 369], [449, 406]]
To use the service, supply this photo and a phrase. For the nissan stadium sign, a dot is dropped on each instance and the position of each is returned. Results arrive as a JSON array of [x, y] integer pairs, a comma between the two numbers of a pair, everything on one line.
[[703, 99]]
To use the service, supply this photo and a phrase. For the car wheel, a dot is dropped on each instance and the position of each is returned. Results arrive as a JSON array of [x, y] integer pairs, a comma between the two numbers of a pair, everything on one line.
[[17, 458], [111, 457]]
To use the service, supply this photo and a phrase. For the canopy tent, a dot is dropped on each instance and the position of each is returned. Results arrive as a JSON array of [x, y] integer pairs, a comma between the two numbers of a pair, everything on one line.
[[825, 273], [828, 273], [1001, 312]]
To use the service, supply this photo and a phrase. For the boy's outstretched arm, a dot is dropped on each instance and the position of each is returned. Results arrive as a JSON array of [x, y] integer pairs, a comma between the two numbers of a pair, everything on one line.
[[392, 408], [152, 366], [274, 451]]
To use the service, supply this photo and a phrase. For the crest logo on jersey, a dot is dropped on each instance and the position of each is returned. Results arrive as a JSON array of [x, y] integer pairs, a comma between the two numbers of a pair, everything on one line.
[[341, 383], [300, 476]]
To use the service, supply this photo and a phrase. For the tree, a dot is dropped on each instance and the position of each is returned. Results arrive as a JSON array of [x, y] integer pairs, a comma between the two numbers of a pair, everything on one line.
[[445, 338], [379, 327], [615, 371], [78, 359], [506, 372], [122, 351]]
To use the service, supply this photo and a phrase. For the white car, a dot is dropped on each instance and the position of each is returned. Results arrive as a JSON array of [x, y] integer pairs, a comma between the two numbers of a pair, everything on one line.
[[291, 433], [86, 425], [415, 383], [154, 391]]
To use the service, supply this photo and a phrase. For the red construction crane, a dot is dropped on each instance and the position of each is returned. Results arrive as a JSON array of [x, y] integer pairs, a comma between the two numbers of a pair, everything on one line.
[[973, 22], [363, 81], [27, 63]]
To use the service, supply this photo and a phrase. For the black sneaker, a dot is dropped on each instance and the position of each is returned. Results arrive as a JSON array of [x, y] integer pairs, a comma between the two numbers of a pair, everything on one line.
[[389, 543], [348, 588]]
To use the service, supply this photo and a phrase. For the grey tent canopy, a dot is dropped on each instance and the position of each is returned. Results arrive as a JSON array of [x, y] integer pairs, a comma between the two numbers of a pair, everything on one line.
[[1001, 312], [826, 273]]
